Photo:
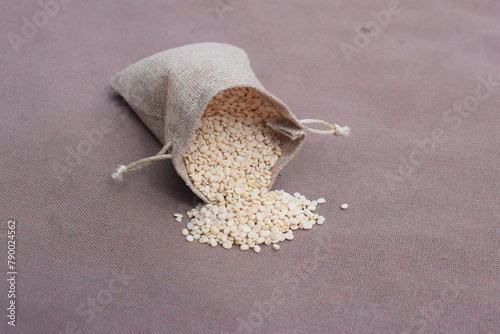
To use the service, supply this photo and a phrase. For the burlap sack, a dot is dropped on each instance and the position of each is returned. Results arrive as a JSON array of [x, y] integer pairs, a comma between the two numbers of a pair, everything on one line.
[[170, 90]]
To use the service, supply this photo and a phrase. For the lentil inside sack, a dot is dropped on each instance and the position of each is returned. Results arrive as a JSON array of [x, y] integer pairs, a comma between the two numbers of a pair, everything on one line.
[[230, 160], [233, 151]]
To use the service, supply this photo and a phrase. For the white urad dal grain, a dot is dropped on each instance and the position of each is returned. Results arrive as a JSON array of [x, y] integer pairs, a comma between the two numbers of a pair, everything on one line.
[[230, 161]]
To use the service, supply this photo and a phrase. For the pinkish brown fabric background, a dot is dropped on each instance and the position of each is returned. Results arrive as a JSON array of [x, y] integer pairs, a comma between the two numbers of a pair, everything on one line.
[[416, 252]]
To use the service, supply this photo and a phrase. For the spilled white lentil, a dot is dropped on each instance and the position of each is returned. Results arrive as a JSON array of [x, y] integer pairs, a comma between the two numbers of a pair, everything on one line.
[[230, 161]]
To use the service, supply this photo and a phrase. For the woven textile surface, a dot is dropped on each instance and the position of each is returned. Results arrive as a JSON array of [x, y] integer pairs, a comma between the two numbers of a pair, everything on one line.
[[417, 251]]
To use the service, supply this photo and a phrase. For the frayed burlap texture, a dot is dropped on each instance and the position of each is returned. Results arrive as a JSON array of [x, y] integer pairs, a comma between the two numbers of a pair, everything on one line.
[[170, 91]]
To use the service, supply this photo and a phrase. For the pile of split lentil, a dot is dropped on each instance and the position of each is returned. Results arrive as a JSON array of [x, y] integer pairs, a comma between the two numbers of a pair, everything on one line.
[[230, 161]]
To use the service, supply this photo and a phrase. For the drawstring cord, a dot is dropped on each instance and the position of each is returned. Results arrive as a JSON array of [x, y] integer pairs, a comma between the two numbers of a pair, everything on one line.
[[334, 129], [139, 164]]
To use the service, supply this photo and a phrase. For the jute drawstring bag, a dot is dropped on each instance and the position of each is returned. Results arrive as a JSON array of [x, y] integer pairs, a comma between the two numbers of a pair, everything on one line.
[[170, 90]]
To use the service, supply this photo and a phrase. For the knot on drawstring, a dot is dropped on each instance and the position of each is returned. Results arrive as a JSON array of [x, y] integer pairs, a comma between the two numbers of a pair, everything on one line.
[[334, 129], [118, 175]]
